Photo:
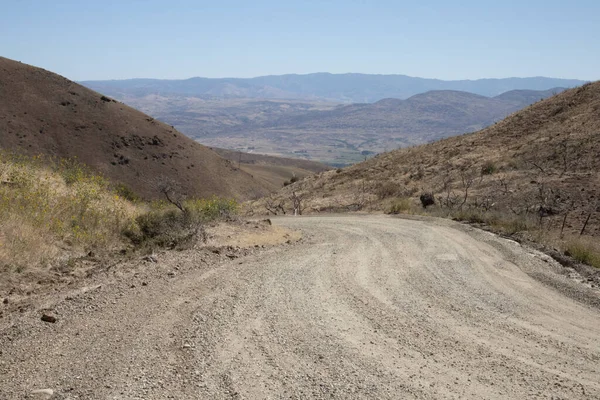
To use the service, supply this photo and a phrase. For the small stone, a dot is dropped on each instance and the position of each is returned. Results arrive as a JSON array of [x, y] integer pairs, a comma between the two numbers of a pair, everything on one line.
[[171, 273], [48, 318], [144, 283], [186, 346], [5, 301]]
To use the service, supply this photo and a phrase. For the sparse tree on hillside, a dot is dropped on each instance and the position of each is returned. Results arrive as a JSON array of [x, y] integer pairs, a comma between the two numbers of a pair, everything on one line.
[[467, 178], [297, 203], [171, 190]]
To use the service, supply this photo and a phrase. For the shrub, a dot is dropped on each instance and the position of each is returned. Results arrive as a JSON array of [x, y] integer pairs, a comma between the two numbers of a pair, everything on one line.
[[584, 252], [126, 192], [386, 189], [470, 216], [488, 168], [213, 208], [166, 226], [400, 206], [44, 209], [427, 199]]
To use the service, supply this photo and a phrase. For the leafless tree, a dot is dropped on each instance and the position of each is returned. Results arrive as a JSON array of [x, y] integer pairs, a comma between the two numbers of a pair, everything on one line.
[[297, 203], [467, 177], [171, 190], [595, 207]]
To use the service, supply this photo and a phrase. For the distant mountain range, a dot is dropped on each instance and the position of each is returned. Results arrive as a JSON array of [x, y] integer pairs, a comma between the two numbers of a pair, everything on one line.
[[347, 88], [333, 133]]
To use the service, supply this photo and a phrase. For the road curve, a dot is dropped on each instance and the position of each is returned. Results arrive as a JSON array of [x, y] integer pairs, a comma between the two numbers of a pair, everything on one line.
[[365, 307]]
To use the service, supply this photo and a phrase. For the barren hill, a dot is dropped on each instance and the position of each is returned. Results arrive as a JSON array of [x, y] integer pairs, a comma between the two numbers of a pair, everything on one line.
[[541, 164], [44, 113]]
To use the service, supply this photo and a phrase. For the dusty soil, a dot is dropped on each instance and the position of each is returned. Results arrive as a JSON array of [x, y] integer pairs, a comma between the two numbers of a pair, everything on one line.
[[363, 307]]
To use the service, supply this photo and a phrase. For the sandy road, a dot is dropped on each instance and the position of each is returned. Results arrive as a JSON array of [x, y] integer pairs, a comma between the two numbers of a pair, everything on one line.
[[366, 307]]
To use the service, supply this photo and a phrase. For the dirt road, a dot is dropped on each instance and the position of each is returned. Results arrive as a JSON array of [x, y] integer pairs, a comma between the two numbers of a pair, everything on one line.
[[365, 307]]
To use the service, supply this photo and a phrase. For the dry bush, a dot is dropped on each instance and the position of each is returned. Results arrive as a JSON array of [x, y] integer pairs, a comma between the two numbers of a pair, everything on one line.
[[402, 205], [584, 250], [45, 209], [386, 189], [178, 225]]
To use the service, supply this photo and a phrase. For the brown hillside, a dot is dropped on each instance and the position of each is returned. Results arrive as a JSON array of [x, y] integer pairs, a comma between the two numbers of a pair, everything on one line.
[[541, 161], [44, 113], [272, 171]]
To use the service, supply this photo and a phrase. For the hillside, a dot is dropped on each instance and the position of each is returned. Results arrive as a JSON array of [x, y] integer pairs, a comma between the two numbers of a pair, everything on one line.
[[539, 166], [44, 113], [345, 134], [348, 88], [272, 171]]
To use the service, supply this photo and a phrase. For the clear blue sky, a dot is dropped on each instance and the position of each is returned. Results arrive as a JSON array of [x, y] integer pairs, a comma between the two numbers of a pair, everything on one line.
[[109, 39]]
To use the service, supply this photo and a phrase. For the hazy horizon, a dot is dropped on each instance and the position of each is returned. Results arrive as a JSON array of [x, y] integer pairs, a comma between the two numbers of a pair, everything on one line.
[[184, 38], [333, 73]]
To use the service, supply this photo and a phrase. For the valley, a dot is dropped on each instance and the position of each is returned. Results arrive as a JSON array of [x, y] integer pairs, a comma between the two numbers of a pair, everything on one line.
[[333, 133]]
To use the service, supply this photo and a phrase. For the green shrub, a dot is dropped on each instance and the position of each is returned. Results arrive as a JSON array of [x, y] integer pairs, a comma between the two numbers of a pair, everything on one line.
[[126, 192], [213, 208]]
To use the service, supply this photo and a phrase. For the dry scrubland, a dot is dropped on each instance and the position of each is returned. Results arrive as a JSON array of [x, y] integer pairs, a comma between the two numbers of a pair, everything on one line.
[[55, 214], [533, 175]]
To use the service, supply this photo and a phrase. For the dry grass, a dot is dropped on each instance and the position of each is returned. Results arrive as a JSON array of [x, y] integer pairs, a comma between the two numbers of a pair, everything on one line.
[[584, 250], [45, 210], [55, 212]]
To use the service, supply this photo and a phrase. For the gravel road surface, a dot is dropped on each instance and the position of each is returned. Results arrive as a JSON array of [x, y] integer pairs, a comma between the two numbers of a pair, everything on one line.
[[364, 307]]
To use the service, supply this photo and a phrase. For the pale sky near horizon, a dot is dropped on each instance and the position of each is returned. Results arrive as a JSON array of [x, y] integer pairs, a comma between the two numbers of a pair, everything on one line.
[[110, 39]]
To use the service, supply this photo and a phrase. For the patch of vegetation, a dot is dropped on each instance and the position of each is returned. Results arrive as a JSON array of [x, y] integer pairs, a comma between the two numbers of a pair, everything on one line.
[[54, 210], [48, 204], [400, 206], [488, 168], [127, 193], [293, 179], [166, 225], [584, 252], [386, 189]]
